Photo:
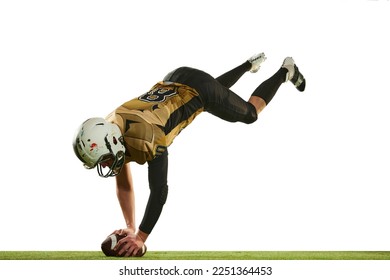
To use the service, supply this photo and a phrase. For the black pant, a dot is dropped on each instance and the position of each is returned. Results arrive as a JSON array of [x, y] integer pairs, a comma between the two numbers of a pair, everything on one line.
[[217, 99]]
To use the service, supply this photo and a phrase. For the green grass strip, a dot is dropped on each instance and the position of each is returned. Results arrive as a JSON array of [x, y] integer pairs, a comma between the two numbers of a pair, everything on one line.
[[201, 255]]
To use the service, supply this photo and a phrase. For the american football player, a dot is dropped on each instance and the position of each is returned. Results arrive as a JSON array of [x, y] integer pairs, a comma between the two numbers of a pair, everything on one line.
[[142, 129]]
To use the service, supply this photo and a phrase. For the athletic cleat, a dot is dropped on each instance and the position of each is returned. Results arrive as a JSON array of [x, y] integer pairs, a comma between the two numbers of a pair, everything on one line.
[[256, 61], [293, 74]]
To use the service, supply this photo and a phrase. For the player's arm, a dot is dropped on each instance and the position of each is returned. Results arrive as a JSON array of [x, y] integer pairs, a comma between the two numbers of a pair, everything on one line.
[[125, 194], [157, 170], [157, 175]]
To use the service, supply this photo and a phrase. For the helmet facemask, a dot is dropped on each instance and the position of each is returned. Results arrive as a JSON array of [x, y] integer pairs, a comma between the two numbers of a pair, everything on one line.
[[116, 166], [117, 161]]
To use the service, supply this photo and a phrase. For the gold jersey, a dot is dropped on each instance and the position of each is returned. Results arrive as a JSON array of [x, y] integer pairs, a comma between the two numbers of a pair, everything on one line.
[[150, 122]]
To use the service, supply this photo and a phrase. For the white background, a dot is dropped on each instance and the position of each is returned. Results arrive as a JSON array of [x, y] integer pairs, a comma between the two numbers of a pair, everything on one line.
[[311, 174]]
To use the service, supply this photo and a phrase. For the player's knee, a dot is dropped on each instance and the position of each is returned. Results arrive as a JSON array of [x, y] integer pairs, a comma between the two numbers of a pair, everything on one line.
[[251, 117]]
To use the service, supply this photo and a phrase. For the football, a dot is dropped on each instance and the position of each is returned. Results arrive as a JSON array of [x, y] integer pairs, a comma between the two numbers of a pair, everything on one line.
[[110, 242]]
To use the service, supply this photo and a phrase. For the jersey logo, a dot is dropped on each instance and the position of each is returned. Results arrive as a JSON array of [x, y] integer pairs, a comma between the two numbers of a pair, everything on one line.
[[157, 95]]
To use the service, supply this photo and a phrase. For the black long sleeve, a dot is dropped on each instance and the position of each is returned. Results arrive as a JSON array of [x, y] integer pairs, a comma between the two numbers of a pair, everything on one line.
[[158, 185]]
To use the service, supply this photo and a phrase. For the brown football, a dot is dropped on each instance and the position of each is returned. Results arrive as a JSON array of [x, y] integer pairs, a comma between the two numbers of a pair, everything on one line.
[[110, 242]]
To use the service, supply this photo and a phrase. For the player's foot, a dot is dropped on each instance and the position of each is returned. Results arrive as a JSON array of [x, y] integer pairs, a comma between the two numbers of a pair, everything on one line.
[[293, 74], [256, 61]]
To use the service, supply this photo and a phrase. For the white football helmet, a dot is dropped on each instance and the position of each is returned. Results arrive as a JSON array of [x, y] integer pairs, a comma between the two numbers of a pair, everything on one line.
[[98, 141]]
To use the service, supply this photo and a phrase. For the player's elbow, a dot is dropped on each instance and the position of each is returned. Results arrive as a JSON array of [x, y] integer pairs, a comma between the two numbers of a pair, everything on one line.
[[164, 194]]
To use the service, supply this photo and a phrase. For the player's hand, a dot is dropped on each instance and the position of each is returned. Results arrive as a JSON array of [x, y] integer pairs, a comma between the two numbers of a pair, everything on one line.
[[129, 245]]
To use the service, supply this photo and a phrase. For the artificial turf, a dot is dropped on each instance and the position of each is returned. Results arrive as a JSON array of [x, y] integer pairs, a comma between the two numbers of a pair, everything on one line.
[[201, 255]]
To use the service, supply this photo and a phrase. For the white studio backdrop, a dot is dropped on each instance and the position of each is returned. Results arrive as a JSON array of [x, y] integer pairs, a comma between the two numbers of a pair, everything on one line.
[[311, 174]]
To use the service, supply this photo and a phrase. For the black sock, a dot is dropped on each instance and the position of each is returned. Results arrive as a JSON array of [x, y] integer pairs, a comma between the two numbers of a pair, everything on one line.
[[267, 89], [230, 78]]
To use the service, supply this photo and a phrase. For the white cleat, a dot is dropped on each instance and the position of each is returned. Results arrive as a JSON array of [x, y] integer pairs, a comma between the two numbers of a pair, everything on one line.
[[256, 61], [293, 74]]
